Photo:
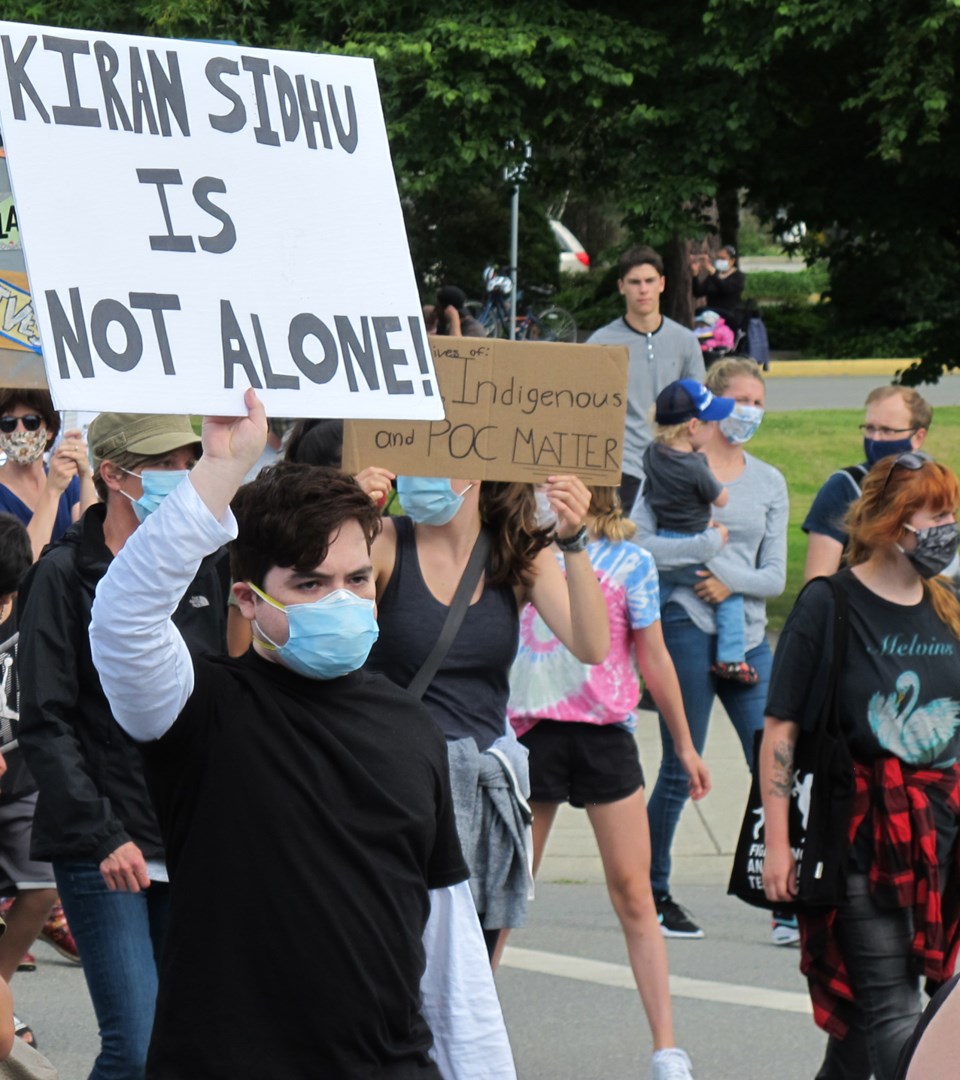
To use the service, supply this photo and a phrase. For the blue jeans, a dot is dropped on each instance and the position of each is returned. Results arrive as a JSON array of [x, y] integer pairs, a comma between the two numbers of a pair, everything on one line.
[[875, 943], [731, 643], [119, 935], [692, 653]]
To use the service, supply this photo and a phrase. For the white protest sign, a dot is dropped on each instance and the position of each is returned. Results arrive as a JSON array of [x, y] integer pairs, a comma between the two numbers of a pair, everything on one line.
[[197, 218]]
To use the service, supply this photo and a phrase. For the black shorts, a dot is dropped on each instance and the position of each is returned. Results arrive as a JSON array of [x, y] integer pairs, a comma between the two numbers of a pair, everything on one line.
[[582, 763]]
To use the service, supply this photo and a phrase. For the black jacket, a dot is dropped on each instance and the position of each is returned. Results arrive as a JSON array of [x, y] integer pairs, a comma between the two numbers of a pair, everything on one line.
[[723, 293], [93, 796]]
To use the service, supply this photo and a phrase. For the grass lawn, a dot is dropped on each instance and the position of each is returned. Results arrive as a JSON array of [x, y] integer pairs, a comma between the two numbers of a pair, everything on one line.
[[806, 447]]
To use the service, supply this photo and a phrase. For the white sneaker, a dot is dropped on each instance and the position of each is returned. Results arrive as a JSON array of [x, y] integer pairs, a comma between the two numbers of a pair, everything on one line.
[[784, 929], [672, 1064]]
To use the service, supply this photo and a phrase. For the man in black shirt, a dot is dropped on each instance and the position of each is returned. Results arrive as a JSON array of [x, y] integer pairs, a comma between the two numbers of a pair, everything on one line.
[[292, 768]]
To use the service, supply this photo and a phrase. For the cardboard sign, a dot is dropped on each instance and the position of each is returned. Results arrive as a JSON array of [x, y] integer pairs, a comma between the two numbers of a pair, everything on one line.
[[198, 218], [514, 411]]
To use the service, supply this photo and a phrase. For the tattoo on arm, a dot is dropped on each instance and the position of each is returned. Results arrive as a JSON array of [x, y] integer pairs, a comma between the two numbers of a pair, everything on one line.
[[781, 780]]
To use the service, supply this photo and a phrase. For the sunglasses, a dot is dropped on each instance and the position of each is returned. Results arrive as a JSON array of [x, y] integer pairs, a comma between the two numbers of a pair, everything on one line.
[[31, 422], [912, 460]]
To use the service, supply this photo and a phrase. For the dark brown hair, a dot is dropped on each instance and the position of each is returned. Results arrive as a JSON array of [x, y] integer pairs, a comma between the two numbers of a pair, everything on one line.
[[316, 442], [16, 553], [37, 400], [289, 514], [510, 509], [639, 256]]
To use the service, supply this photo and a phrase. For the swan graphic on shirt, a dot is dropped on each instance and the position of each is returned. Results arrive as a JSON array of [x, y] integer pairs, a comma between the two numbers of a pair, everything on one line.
[[918, 734]]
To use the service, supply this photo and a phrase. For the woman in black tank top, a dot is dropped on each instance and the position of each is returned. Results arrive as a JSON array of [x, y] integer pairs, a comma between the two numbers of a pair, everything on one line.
[[418, 562]]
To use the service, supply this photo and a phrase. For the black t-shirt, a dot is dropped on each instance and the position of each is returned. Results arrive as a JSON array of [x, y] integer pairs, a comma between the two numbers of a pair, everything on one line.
[[304, 822], [900, 687]]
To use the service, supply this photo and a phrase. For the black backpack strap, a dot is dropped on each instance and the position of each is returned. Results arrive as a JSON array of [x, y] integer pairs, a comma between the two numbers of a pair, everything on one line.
[[455, 614], [855, 474]]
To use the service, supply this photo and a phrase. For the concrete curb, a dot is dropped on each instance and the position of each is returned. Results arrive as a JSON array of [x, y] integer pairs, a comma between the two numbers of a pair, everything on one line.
[[793, 369]]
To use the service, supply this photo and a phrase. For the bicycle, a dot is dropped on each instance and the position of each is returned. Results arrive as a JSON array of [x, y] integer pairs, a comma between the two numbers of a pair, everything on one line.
[[552, 323]]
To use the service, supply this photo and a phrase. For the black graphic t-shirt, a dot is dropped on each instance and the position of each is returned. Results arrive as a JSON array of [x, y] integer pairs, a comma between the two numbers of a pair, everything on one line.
[[900, 688]]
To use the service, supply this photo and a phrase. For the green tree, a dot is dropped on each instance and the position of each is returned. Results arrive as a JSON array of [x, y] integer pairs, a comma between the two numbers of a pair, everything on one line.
[[857, 137]]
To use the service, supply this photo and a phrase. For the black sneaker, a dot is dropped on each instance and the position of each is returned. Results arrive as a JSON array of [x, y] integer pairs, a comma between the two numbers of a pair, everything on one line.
[[675, 921]]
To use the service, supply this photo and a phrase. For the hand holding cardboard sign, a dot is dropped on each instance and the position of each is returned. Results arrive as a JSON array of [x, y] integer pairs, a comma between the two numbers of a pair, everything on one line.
[[570, 500], [376, 482]]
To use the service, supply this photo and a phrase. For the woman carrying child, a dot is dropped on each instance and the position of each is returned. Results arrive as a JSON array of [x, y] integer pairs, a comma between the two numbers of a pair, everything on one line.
[[681, 491], [575, 720], [752, 562]]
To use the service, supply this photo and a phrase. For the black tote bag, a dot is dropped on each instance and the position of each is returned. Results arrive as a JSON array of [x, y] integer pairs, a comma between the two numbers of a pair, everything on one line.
[[820, 804]]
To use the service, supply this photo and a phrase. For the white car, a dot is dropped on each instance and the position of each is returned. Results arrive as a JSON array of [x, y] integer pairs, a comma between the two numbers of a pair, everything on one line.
[[573, 256]]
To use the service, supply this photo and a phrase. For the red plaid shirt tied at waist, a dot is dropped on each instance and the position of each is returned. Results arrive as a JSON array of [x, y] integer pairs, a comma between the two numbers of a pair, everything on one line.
[[901, 804]]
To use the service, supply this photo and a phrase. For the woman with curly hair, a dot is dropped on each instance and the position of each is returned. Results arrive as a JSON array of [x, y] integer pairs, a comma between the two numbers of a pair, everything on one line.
[[418, 561]]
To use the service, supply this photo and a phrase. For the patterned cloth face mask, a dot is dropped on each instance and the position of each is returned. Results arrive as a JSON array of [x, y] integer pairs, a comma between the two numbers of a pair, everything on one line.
[[936, 547], [741, 425], [24, 447]]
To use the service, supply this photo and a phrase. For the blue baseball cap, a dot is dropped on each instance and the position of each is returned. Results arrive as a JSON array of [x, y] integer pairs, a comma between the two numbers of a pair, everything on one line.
[[686, 399]]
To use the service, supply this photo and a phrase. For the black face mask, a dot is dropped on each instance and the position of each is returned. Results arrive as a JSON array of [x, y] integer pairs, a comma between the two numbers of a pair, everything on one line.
[[935, 548]]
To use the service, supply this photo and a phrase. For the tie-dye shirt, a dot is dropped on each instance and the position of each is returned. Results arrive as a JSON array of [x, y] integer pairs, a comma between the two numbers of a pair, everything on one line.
[[548, 683]]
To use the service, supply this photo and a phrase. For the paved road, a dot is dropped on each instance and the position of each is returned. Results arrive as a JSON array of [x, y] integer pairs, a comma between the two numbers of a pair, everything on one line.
[[567, 993], [846, 392]]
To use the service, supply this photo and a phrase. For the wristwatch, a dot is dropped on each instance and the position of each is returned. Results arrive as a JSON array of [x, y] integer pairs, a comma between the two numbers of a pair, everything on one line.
[[578, 542]]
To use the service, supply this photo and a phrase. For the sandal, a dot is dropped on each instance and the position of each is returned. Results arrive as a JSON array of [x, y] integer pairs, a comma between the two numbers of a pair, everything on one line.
[[741, 672], [25, 1032]]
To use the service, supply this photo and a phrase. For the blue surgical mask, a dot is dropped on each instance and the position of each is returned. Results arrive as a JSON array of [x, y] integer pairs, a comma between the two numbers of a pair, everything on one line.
[[875, 450], [722, 266], [741, 425], [429, 500], [328, 637], [157, 485]]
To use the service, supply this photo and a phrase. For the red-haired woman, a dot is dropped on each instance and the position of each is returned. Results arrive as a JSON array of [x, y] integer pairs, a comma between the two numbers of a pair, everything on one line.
[[900, 710]]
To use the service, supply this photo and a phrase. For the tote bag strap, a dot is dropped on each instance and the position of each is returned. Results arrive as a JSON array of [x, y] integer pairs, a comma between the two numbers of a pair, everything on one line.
[[829, 719], [455, 614]]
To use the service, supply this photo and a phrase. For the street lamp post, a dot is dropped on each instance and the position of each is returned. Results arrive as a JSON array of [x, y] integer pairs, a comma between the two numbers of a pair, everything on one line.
[[516, 175]]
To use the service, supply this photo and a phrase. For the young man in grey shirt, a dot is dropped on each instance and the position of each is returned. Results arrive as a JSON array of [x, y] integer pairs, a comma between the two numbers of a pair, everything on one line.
[[661, 351]]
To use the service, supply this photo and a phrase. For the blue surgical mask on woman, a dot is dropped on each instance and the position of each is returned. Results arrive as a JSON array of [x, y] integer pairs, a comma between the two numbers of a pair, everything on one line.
[[741, 425], [157, 485], [429, 500], [327, 638], [722, 266], [875, 450]]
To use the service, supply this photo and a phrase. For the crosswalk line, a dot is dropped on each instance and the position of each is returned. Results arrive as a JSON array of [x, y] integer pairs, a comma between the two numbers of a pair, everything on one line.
[[621, 977]]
